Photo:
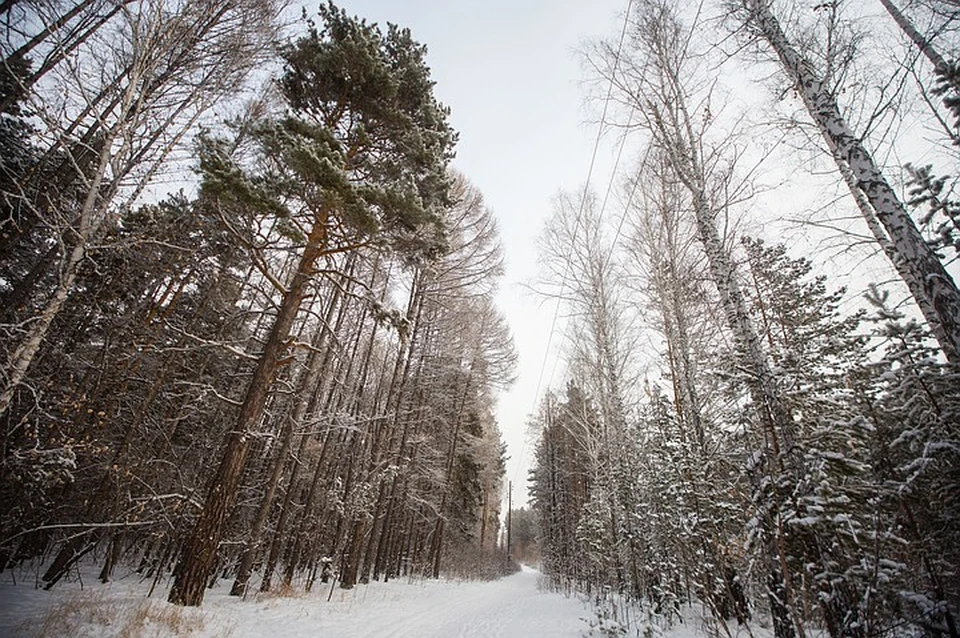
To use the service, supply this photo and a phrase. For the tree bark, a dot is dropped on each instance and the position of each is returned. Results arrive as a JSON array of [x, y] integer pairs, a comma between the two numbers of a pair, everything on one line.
[[926, 274], [926, 48], [23, 355], [199, 555], [294, 422], [277, 542]]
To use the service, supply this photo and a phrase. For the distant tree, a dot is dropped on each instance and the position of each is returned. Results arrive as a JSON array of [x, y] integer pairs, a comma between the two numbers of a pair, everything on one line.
[[562, 483], [524, 536]]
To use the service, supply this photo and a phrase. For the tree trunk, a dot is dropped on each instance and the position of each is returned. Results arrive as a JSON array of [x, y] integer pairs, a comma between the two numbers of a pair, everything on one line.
[[47, 31], [199, 556], [294, 422], [24, 354], [926, 48], [672, 124], [352, 562], [62, 49], [277, 542], [926, 273]]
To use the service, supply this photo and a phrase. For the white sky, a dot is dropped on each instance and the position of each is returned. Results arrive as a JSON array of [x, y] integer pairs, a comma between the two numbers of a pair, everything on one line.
[[510, 72]]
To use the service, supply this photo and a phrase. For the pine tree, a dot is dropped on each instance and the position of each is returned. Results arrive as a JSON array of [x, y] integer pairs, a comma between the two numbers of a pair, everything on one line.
[[817, 351], [914, 406], [361, 160]]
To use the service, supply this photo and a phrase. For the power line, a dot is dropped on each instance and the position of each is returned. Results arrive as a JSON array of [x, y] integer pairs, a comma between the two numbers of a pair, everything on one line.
[[576, 226], [626, 210], [603, 208]]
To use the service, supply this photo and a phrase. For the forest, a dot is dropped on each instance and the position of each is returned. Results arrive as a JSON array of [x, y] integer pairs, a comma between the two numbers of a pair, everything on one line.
[[249, 332], [735, 428], [247, 315]]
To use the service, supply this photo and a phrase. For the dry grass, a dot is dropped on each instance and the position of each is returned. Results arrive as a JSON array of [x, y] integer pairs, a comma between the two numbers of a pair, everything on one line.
[[283, 590], [89, 614], [63, 618], [160, 618]]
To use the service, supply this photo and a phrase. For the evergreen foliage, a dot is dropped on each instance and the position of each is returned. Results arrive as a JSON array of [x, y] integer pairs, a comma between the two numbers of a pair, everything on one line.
[[287, 371]]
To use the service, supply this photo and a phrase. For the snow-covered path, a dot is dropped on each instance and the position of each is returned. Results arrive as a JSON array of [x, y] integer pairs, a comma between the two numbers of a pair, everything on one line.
[[511, 607]]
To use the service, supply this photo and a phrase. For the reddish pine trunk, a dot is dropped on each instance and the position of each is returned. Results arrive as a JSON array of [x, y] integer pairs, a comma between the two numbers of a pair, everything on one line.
[[199, 555]]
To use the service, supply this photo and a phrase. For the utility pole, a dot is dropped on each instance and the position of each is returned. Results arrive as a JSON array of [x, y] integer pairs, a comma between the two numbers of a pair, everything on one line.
[[509, 514]]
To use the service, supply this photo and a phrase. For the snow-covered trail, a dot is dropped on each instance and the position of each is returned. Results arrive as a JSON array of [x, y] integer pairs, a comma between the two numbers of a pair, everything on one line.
[[511, 607], [508, 608]]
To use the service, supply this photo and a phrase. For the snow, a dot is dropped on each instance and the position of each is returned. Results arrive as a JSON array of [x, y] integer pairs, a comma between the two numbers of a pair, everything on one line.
[[512, 607]]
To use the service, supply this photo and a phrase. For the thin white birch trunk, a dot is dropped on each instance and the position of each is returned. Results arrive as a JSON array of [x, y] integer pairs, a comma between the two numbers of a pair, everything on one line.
[[91, 215], [896, 259], [153, 38], [932, 286], [926, 48]]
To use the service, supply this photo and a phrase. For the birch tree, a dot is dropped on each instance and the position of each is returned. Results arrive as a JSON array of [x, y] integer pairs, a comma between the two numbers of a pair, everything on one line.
[[657, 83], [695, 431], [109, 124], [925, 276]]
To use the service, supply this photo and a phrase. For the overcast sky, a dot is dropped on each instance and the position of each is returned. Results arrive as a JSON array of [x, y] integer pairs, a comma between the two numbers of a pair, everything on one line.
[[511, 74]]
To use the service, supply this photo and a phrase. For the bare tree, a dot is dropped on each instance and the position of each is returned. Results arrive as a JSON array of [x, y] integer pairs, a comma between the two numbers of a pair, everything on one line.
[[136, 105], [930, 284], [659, 81]]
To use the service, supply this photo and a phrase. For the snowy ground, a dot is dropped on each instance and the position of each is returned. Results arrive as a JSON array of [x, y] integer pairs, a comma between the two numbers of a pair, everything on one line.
[[512, 607]]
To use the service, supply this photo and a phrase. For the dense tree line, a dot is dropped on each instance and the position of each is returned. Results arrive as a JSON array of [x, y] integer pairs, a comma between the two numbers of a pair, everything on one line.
[[779, 453], [286, 370]]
